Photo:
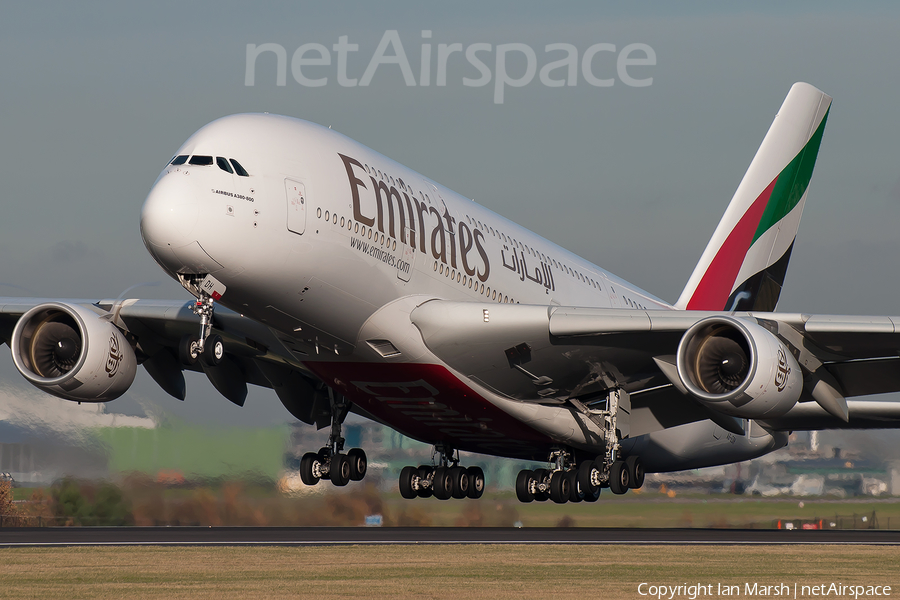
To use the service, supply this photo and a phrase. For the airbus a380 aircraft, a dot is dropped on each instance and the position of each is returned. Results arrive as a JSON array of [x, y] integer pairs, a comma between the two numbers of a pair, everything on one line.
[[347, 282]]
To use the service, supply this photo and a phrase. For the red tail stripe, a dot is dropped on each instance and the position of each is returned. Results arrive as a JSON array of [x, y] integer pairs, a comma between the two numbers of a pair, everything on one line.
[[714, 288]]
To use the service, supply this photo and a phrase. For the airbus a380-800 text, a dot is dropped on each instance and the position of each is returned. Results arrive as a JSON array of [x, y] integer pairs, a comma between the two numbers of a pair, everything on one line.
[[347, 282]]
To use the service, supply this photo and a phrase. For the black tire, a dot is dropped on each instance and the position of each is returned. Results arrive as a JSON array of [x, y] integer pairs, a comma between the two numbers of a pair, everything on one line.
[[540, 475], [559, 487], [340, 470], [324, 455], [407, 474], [524, 486], [359, 464], [635, 472], [213, 350], [189, 350], [476, 482], [308, 468], [460, 482], [619, 478], [576, 493], [443, 483], [425, 491], [586, 472]]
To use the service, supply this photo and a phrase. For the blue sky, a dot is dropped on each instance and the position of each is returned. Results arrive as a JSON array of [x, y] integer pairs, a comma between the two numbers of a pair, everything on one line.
[[96, 97]]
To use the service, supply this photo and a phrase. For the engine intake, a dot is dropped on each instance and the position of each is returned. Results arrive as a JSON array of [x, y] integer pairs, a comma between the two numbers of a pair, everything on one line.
[[68, 351], [738, 368]]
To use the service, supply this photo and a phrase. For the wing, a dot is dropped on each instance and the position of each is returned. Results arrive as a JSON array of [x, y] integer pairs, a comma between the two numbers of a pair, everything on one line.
[[567, 355], [153, 331]]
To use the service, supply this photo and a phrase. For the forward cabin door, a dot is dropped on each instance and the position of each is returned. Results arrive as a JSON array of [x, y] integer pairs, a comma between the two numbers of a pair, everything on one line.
[[296, 205]]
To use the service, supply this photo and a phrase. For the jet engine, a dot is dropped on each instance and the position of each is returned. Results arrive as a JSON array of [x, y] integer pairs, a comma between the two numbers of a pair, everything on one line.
[[70, 352], [738, 368]]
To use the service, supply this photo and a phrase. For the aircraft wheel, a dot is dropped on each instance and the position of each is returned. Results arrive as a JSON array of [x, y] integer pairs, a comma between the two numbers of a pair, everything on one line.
[[559, 487], [586, 472], [443, 483], [635, 472], [358, 464], [525, 486], [576, 493], [541, 476], [460, 482], [213, 350], [309, 465], [324, 455], [407, 475], [619, 478], [425, 491], [340, 470], [476, 482], [189, 349]]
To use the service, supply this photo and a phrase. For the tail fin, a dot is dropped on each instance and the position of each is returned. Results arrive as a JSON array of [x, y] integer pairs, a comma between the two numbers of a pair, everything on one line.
[[744, 264]]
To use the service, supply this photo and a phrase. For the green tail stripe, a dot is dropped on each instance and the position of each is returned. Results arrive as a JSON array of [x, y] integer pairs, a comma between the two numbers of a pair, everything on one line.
[[792, 182]]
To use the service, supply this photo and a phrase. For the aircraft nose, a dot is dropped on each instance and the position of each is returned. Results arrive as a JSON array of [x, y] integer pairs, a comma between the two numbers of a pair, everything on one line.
[[170, 212], [169, 218]]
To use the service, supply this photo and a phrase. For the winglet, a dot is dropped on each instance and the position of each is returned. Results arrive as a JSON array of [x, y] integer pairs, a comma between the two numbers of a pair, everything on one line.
[[744, 264]]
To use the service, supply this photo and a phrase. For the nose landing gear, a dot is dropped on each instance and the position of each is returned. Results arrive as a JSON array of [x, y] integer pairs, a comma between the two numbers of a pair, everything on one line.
[[207, 346]]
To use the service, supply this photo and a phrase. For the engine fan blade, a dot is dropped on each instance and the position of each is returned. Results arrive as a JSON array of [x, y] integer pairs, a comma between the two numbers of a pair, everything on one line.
[[55, 348], [722, 365]]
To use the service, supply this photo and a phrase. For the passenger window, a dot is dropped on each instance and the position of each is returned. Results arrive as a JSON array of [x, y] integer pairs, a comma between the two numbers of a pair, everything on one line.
[[179, 160], [201, 161], [223, 164], [239, 169]]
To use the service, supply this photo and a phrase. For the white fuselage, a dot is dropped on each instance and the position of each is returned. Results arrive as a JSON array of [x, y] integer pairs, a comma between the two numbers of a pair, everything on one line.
[[324, 234]]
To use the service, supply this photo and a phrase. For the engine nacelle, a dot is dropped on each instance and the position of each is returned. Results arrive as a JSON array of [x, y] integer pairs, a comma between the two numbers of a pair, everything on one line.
[[738, 368], [68, 351]]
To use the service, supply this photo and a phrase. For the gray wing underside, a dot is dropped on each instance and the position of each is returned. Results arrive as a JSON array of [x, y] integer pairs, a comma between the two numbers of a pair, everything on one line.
[[552, 354], [256, 354]]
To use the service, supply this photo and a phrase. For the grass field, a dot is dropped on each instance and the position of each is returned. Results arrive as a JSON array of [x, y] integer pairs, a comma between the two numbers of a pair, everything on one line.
[[653, 510], [470, 572], [241, 504]]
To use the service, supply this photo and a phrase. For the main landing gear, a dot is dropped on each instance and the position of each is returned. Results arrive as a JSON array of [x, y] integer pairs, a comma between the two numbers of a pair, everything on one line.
[[444, 481], [330, 462], [566, 481]]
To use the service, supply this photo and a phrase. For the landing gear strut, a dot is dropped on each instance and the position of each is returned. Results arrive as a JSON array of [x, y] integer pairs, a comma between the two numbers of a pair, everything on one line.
[[330, 462], [566, 481], [447, 479], [207, 346]]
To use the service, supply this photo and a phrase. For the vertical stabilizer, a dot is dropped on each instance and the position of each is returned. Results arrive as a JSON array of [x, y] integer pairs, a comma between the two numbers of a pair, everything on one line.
[[744, 264]]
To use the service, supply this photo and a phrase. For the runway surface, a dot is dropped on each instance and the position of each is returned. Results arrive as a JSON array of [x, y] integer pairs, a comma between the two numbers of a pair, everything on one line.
[[331, 536]]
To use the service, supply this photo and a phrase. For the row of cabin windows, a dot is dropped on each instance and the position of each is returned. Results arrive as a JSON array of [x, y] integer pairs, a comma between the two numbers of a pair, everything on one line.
[[376, 173], [535, 253], [229, 165], [466, 281]]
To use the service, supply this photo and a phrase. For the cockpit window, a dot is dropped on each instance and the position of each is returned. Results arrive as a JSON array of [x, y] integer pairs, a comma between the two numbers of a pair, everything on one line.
[[179, 160], [201, 160], [223, 164], [239, 169]]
